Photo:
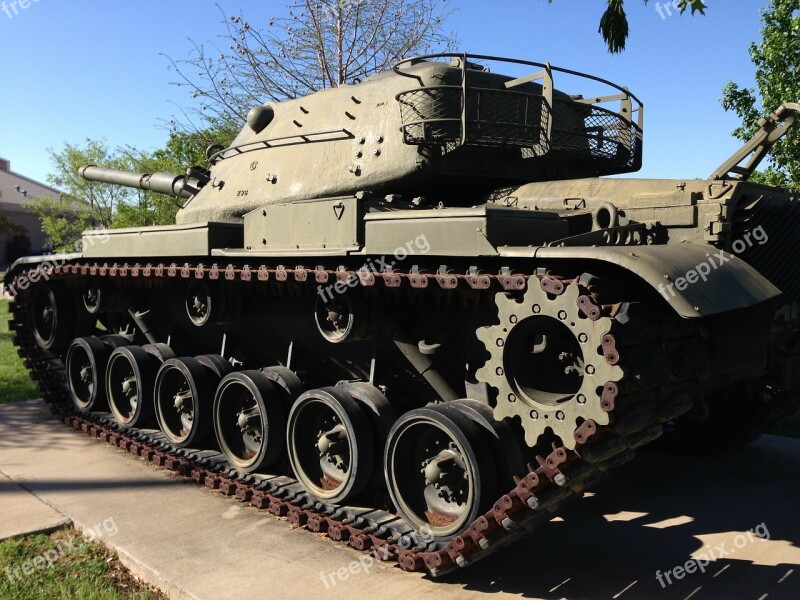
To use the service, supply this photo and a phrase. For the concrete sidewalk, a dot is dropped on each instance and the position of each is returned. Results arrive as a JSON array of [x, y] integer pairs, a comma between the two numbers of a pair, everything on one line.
[[652, 517], [24, 513]]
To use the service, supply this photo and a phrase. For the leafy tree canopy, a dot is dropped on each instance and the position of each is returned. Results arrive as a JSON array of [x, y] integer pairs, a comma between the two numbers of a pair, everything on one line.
[[777, 73], [83, 205]]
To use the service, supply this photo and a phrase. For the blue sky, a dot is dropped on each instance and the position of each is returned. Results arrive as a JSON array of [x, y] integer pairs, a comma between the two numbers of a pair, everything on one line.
[[95, 69]]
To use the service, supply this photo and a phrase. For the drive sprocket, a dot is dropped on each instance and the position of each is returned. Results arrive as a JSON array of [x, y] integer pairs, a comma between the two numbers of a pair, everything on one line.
[[548, 364]]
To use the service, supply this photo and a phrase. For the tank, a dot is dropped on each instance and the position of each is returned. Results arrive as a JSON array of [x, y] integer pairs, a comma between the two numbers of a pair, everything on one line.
[[409, 312]]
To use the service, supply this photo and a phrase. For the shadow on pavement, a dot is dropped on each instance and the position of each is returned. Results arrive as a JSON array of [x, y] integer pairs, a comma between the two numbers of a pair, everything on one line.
[[660, 510]]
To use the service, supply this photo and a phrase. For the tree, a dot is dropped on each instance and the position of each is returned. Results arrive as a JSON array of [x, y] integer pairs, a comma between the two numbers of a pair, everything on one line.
[[182, 150], [614, 23], [83, 204], [321, 44], [777, 62], [144, 208]]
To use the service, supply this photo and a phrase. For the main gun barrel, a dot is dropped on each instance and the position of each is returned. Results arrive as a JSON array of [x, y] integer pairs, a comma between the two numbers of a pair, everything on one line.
[[160, 182]]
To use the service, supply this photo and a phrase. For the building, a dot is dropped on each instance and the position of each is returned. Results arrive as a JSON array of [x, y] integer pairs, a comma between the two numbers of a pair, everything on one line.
[[16, 194]]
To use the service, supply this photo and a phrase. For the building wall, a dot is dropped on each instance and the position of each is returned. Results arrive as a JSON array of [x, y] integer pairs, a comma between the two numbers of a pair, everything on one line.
[[16, 194]]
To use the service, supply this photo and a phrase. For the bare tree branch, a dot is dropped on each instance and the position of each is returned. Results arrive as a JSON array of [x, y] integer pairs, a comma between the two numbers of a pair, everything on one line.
[[320, 44]]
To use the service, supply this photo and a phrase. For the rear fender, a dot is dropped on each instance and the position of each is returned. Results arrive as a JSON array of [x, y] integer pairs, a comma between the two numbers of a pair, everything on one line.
[[696, 280]]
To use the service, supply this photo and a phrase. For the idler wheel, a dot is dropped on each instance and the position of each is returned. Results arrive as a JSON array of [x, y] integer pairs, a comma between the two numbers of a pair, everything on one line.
[[86, 362], [249, 421], [52, 316], [130, 380], [330, 444], [439, 470], [184, 401]]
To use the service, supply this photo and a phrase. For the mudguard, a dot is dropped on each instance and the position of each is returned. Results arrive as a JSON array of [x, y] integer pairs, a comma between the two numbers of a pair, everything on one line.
[[696, 280], [45, 262]]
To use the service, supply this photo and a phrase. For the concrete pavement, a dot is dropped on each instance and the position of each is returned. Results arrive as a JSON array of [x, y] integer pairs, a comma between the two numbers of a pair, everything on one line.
[[626, 540], [25, 514]]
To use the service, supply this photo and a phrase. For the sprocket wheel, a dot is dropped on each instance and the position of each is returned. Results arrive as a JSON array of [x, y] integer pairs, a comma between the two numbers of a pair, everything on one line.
[[548, 363]]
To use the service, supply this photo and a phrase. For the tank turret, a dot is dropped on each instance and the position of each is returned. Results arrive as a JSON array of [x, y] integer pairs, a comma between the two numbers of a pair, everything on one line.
[[445, 124]]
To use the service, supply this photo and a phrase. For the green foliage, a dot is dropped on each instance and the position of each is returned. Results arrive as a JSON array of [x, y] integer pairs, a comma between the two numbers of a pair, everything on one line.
[[614, 26], [86, 205], [83, 205], [182, 150], [145, 208], [99, 201], [614, 23], [777, 63], [62, 223], [187, 148]]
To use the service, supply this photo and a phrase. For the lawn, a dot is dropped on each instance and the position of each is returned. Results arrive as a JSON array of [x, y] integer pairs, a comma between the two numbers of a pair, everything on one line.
[[15, 384], [65, 565]]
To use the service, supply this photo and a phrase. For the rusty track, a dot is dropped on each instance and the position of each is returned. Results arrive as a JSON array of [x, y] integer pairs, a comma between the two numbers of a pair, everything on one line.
[[558, 475]]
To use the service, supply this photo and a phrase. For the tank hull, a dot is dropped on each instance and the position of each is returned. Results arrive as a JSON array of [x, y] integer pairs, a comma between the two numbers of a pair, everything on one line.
[[423, 344]]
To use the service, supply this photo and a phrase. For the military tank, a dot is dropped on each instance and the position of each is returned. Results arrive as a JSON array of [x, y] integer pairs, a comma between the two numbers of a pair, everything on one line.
[[409, 313]]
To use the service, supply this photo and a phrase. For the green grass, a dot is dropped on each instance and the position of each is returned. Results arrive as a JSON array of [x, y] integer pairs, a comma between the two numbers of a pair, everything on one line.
[[15, 383], [77, 569]]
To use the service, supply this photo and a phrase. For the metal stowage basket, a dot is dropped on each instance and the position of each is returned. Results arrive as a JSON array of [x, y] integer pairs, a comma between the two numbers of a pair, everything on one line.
[[526, 113]]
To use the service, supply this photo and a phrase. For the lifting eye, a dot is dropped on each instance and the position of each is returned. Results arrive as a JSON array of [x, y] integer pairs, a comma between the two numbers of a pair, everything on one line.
[[259, 117], [605, 216]]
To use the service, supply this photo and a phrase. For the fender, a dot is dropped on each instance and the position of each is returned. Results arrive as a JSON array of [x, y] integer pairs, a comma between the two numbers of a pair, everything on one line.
[[713, 281], [27, 262], [696, 280]]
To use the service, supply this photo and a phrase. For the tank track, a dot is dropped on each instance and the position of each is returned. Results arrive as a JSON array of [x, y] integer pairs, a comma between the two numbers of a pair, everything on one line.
[[561, 474]]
